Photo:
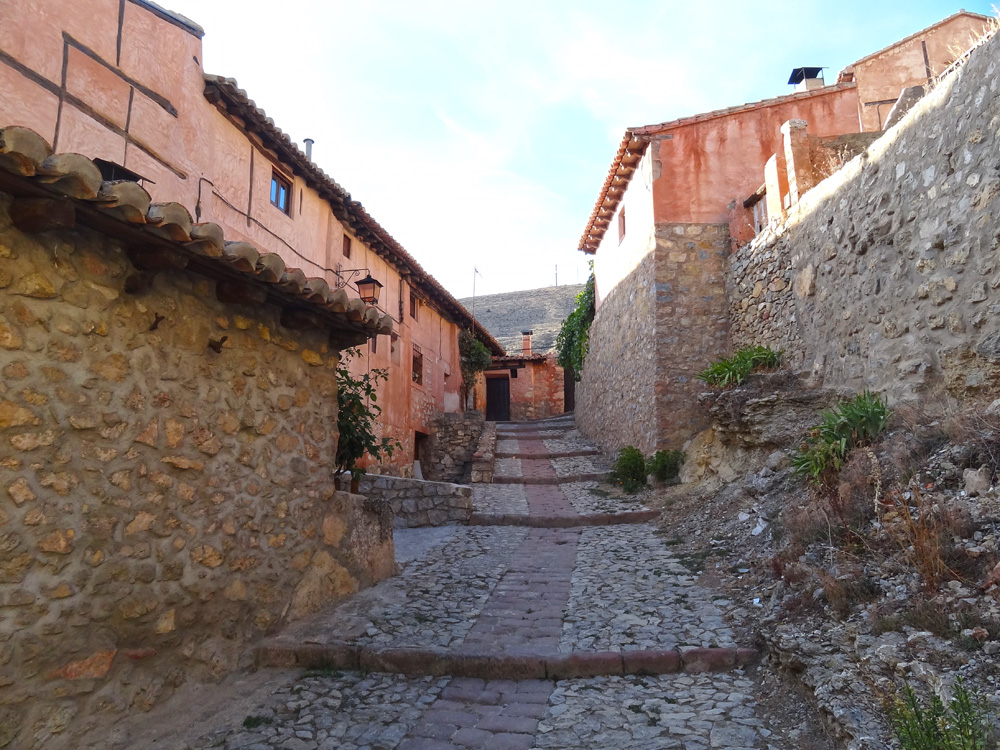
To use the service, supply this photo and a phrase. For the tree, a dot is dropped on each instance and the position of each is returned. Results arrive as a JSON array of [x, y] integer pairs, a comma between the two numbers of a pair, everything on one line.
[[474, 358]]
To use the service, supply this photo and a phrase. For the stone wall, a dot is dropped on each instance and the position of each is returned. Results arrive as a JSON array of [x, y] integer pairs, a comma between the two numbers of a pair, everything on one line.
[[452, 442], [165, 484], [615, 400], [692, 327], [658, 328], [886, 274], [484, 459], [419, 503]]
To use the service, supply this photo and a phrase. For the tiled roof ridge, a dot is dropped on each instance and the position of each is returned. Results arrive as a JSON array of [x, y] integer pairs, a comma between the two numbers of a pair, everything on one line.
[[633, 146], [646, 130], [122, 208], [345, 207], [915, 34]]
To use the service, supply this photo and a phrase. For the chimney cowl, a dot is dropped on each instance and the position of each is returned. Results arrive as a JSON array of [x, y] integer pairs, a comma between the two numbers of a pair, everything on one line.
[[309, 148]]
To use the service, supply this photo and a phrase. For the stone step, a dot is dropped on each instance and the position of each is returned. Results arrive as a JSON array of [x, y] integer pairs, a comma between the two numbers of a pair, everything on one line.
[[522, 666], [592, 477], [566, 521], [548, 456]]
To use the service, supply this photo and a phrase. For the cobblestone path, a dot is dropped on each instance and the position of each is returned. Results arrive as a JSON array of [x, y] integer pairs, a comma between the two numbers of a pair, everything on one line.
[[557, 619]]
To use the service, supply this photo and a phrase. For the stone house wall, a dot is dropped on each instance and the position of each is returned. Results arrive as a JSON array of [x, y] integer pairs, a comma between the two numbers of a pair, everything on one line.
[[886, 275], [615, 399], [419, 503], [452, 442], [161, 503]]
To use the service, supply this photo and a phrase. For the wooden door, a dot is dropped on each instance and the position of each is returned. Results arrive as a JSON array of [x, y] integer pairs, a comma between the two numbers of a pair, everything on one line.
[[498, 399], [569, 390]]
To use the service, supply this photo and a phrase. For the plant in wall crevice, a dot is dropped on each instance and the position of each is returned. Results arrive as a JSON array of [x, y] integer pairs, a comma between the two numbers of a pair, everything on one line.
[[357, 412]]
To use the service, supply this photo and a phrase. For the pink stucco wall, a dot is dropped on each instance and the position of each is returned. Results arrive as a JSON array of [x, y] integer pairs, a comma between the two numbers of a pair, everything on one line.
[[705, 164]]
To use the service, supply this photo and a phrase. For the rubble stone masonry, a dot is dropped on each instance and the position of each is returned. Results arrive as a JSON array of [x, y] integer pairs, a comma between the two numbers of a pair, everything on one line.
[[415, 502], [654, 332], [886, 275], [161, 502], [453, 441], [615, 402]]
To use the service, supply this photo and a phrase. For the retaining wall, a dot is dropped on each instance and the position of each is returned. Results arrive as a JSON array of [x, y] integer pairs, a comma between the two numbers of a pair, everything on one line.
[[419, 503], [886, 274]]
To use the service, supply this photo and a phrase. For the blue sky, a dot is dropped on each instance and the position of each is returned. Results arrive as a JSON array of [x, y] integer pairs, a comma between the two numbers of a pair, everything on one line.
[[479, 133]]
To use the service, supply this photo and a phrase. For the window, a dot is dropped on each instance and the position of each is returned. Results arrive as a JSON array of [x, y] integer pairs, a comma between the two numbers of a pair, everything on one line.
[[418, 365], [347, 246], [621, 224], [374, 344], [413, 305], [281, 191]]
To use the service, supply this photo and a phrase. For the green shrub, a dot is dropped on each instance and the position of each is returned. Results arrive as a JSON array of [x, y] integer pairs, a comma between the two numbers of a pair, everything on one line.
[[961, 725], [573, 340], [844, 427], [630, 469], [665, 465], [734, 370]]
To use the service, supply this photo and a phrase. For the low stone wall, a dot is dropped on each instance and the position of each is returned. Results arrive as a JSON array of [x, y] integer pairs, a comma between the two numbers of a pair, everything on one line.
[[165, 484], [885, 275], [484, 459], [419, 503], [452, 442]]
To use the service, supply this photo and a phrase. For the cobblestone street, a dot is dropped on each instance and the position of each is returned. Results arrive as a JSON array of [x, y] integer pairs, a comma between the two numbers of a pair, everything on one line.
[[558, 619]]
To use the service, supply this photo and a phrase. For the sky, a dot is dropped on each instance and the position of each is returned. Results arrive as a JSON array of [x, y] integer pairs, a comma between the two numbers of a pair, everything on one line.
[[479, 132]]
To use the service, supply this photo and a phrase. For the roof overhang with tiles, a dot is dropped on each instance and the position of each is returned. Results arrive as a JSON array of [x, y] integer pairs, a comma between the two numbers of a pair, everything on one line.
[[236, 105], [67, 191], [634, 144]]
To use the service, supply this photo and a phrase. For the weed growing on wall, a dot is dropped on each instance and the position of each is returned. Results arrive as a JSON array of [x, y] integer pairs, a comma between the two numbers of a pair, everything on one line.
[[931, 725], [733, 370], [574, 336], [630, 469], [844, 427]]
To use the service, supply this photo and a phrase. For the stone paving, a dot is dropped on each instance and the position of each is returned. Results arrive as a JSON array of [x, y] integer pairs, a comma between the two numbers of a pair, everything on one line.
[[595, 608]]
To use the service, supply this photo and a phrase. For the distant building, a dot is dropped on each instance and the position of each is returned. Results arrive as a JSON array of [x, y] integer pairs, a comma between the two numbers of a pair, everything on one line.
[[680, 195], [526, 382]]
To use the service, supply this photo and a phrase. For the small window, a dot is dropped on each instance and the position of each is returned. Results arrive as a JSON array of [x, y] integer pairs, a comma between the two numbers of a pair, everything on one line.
[[281, 191], [347, 246], [513, 373], [418, 366], [621, 224], [374, 344], [413, 305]]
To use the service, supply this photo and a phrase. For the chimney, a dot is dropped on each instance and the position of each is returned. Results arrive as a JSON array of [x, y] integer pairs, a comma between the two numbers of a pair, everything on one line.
[[309, 148], [526, 341], [807, 79]]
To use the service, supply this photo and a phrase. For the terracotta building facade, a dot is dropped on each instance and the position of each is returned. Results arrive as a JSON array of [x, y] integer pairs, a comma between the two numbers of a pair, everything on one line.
[[680, 196], [526, 382], [121, 82]]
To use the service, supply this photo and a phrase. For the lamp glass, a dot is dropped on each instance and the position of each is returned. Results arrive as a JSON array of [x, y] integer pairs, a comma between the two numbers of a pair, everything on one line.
[[368, 289]]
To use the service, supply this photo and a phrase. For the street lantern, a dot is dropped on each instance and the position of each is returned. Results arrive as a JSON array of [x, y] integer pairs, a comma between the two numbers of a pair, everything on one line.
[[368, 290]]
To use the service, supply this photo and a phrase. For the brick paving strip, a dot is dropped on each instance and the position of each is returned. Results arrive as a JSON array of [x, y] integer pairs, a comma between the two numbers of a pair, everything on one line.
[[513, 679]]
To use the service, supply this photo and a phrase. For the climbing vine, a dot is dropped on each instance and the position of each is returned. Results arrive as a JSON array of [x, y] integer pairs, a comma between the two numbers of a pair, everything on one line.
[[573, 340], [474, 358]]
